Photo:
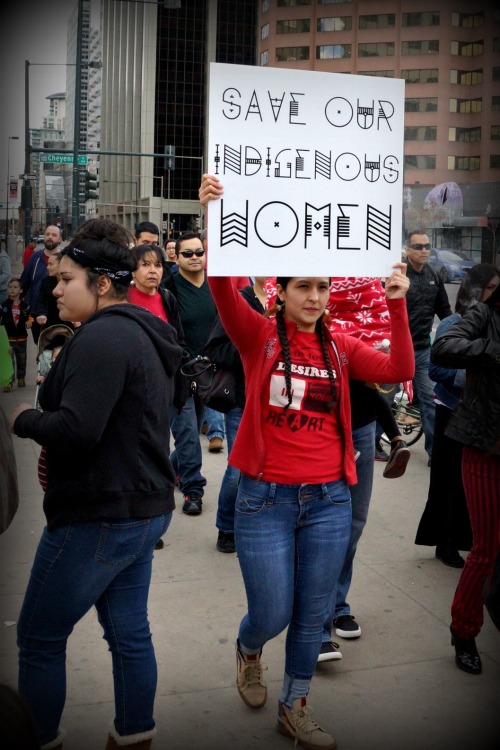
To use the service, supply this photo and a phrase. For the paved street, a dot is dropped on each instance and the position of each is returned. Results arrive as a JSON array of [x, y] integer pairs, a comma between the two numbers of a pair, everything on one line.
[[396, 687]]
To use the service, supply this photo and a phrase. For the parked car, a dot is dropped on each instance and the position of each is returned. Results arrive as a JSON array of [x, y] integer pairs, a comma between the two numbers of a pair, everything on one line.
[[451, 265]]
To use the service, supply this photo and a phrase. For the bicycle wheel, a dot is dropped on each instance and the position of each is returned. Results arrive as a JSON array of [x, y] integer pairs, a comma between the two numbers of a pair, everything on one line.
[[408, 420]]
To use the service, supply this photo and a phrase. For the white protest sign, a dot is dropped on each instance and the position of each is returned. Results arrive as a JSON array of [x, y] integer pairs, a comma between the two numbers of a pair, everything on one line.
[[312, 169]]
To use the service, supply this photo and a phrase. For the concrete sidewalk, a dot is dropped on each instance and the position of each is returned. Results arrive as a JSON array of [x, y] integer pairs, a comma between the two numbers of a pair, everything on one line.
[[396, 687]]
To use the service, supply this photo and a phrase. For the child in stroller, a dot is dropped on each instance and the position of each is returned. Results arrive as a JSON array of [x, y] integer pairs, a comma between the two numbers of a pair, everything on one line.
[[50, 344]]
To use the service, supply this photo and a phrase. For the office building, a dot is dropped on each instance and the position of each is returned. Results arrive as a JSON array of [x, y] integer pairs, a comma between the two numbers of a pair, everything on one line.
[[154, 100], [449, 55]]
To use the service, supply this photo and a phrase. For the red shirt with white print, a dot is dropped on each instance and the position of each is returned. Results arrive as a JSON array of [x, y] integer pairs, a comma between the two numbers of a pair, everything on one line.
[[295, 437]]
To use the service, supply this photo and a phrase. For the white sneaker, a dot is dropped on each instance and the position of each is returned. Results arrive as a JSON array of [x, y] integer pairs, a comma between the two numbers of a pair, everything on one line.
[[329, 651]]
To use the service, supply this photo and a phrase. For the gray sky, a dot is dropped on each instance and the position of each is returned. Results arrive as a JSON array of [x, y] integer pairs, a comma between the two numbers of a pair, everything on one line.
[[33, 30]]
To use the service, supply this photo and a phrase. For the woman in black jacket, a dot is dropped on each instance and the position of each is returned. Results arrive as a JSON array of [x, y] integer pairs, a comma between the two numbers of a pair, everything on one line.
[[105, 423], [474, 344]]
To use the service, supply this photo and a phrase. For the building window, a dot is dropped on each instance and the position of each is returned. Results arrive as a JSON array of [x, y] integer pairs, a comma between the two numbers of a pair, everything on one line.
[[292, 3], [415, 47], [495, 132], [341, 23], [294, 26], [291, 53], [495, 162], [332, 51], [466, 106], [264, 57], [466, 77], [415, 75], [264, 32], [421, 133], [467, 20], [464, 135], [464, 163], [467, 49], [420, 162], [423, 104], [495, 74], [378, 73], [421, 19], [380, 21], [376, 49], [495, 103], [265, 6]]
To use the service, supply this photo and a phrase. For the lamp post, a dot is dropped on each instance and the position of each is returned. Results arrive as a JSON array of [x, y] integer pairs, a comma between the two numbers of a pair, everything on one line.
[[11, 138]]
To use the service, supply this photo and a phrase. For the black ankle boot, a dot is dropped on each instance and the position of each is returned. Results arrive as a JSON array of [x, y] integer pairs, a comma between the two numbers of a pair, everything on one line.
[[466, 655], [449, 556]]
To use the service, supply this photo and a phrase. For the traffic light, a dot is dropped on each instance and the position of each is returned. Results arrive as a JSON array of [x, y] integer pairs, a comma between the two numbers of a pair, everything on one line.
[[90, 186], [169, 160]]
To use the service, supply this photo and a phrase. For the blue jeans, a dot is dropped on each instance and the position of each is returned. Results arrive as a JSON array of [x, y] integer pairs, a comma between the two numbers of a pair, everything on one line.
[[424, 389], [186, 457], [364, 442], [229, 486], [106, 564], [215, 423], [291, 540]]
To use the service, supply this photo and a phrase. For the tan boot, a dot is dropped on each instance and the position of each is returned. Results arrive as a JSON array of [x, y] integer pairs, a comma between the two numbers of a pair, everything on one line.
[[297, 723], [249, 681], [141, 741]]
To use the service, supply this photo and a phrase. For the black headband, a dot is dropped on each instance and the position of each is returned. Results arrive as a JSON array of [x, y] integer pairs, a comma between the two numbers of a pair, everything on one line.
[[100, 265]]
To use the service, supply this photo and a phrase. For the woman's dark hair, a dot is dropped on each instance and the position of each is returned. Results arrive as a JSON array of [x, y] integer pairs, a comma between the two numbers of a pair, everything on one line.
[[106, 242], [139, 251], [494, 300], [285, 345], [473, 285]]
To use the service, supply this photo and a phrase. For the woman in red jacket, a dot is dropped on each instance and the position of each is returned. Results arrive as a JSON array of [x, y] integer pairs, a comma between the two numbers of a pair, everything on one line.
[[295, 453]]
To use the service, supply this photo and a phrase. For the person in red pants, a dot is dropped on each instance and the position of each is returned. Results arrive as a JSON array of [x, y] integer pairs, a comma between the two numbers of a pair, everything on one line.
[[474, 344]]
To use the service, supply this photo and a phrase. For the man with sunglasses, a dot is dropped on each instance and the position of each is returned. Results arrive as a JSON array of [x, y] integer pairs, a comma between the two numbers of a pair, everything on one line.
[[425, 298], [197, 312]]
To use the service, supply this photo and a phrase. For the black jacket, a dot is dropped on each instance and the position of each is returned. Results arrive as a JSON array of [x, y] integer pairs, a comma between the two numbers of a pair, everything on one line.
[[105, 422], [474, 344], [223, 352], [181, 388], [425, 298], [6, 319]]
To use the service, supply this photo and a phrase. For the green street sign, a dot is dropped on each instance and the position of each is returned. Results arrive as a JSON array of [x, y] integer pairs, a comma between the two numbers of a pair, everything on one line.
[[62, 158]]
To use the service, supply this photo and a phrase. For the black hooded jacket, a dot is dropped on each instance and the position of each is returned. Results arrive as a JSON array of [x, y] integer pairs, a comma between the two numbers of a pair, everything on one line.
[[473, 344], [105, 422]]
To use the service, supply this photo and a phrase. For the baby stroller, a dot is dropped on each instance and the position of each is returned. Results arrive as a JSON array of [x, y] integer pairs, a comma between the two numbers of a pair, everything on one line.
[[49, 343]]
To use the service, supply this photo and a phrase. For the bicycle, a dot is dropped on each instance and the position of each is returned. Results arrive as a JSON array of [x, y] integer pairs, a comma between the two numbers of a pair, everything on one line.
[[407, 418]]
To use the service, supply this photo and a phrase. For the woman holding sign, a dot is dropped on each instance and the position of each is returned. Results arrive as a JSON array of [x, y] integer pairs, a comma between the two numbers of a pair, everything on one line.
[[293, 516]]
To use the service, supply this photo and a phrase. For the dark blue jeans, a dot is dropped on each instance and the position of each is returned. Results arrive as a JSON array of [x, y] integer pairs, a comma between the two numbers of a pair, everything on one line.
[[424, 389], [229, 486], [186, 458], [106, 564], [215, 423], [291, 542], [361, 492]]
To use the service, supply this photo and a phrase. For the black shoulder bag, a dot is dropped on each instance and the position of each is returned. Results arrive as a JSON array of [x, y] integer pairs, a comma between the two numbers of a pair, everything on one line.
[[214, 386]]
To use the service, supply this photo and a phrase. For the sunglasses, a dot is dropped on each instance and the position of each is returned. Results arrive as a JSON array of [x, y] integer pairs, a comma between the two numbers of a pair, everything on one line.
[[419, 246], [190, 253]]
